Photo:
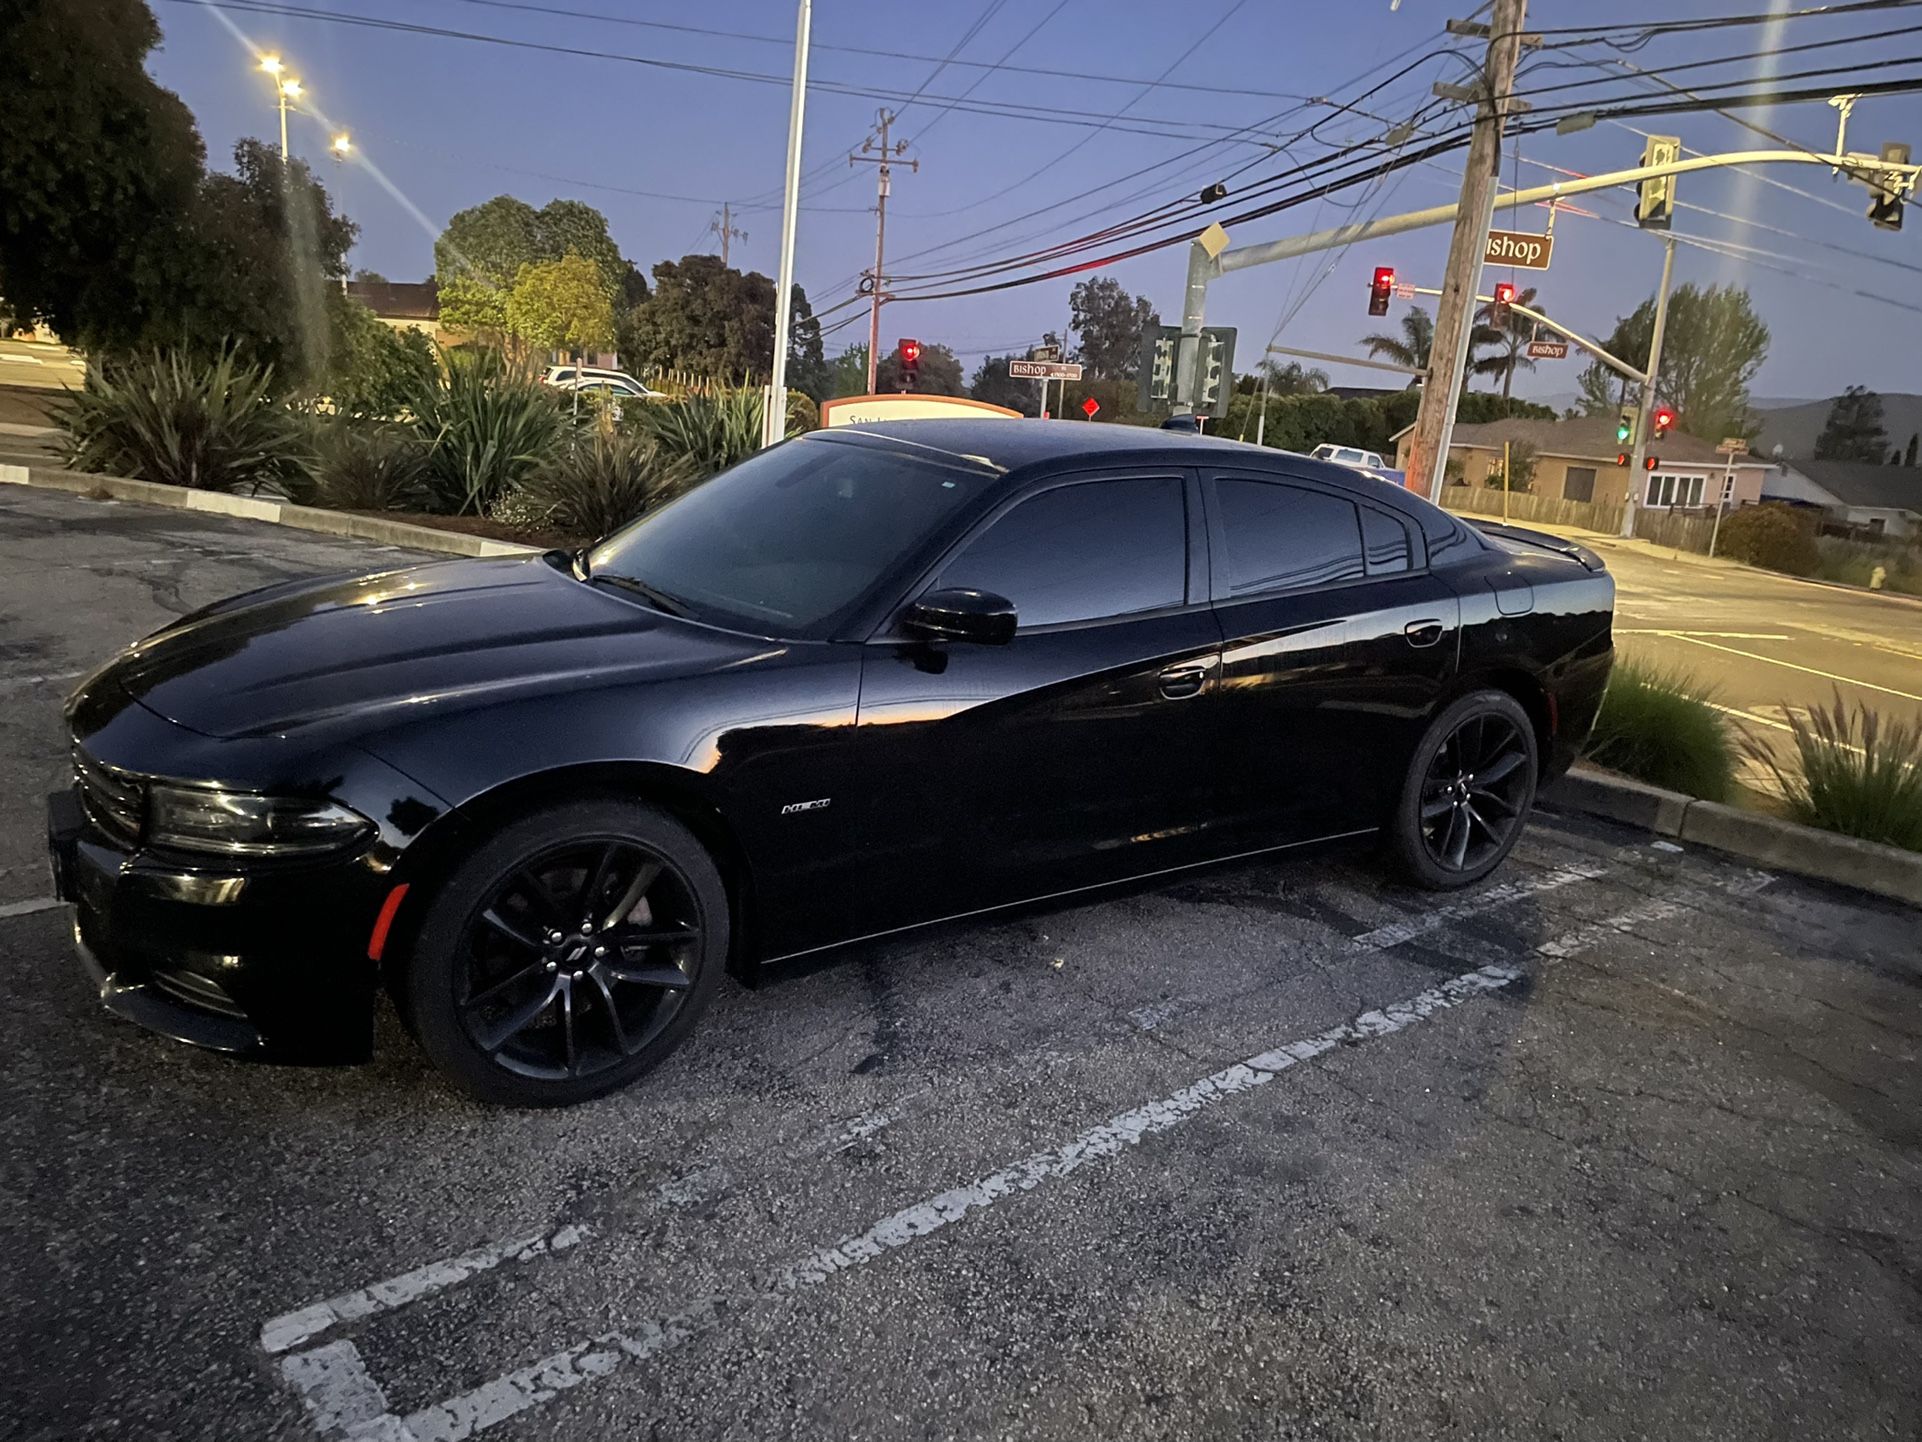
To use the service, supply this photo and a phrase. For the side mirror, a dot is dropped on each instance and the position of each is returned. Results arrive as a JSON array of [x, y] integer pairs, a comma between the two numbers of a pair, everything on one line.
[[957, 614]]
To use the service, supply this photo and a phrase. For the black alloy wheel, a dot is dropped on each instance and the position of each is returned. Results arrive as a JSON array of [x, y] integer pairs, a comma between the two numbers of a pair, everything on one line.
[[1468, 791], [569, 954]]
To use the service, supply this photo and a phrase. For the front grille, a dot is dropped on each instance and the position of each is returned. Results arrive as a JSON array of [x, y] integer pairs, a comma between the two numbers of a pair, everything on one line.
[[112, 798], [202, 993]]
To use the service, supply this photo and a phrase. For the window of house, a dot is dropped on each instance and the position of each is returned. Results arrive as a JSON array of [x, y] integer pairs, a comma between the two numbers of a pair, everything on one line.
[[1099, 548], [1665, 489], [1578, 483]]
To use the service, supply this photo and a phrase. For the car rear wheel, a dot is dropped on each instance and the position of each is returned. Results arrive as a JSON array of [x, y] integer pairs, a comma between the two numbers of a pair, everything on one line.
[[568, 955], [1467, 793]]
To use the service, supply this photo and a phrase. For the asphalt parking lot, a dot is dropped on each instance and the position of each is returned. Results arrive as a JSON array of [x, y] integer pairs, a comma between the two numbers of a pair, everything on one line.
[[1625, 1143]]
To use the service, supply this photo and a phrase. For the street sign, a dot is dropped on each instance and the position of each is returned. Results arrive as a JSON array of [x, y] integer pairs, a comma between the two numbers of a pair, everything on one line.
[[1519, 248], [1733, 446], [1405, 292], [1548, 350], [1034, 370], [1044, 352], [1090, 406]]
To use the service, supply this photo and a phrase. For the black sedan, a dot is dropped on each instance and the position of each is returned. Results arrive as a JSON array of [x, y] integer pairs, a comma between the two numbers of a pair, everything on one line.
[[866, 680]]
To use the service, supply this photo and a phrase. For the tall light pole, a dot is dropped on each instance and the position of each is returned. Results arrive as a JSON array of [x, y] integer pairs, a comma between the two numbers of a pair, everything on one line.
[[286, 88], [774, 411]]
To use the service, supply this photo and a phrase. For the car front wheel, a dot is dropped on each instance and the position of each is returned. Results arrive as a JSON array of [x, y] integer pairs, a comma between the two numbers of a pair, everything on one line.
[[569, 954], [1468, 792]]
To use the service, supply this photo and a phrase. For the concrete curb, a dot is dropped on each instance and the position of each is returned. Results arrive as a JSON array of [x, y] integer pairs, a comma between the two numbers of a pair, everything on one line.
[[1784, 845], [253, 508]]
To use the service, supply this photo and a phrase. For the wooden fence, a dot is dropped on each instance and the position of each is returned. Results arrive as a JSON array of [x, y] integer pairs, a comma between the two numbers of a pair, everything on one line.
[[1527, 509]]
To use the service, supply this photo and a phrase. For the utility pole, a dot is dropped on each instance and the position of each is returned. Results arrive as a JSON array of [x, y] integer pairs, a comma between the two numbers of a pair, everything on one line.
[[1454, 316], [884, 155], [1649, 381], [723, 226], [774, 408]]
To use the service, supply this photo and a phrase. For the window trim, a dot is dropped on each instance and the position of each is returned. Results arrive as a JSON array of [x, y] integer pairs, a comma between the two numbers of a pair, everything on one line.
[[889, 630], [1217, 537]]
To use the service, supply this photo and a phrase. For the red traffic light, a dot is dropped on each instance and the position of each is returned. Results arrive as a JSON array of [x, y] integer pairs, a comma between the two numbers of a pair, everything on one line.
[[911, 352], [1621, 458], [1664, 418], [1505, 293], [1378, 292], [1649, 463]]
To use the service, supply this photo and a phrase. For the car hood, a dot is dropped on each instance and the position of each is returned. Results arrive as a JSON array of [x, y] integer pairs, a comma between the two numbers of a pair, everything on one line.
[[440, 636]]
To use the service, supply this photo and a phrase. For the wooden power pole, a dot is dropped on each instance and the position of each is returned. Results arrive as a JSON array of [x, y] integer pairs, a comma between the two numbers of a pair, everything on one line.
[[884, 155], [1454, 315], [723, 226]]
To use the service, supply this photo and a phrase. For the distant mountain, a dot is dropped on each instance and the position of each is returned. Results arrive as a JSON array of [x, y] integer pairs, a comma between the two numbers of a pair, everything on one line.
[[1795, 427]]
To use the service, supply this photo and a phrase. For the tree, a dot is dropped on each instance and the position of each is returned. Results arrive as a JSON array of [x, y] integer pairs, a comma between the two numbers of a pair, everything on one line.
[[100, 168], [1713, 345], [1291, 378], [848, 372], [807, 367], [1411, 347], [993, 384], [561, 305], [1853, 431], [1508, 338], [1110, 323], [479, 256], [1908, 456], [374, 368], [707, 317], [941, 373]]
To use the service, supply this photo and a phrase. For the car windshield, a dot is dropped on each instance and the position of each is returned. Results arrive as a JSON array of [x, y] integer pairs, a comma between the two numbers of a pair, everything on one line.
[[790, 539]]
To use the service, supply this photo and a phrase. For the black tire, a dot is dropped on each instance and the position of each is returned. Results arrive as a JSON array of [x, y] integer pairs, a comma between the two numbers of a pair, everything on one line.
[[506, 929], [1467, 794]]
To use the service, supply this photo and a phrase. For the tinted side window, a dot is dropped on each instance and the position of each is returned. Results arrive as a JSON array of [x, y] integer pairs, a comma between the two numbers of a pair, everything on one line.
[[1101, 548], [1280, 536], [1386, 540]]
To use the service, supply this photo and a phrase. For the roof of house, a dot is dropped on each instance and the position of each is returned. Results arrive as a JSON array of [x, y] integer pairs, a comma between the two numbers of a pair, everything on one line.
[[1860, 483], [398, 299], [1585, 438]]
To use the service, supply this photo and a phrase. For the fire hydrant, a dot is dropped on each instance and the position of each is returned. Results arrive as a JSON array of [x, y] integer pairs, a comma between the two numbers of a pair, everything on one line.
[[1878, 577]]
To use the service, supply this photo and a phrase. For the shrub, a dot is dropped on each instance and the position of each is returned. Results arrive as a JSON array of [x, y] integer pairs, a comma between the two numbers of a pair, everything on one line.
[[485, 429], [1658, 726], [705, 431], [600, 484], [1853, 563], [213, 425], [375, 369], [364, 466], [1778, 537], [1853, 772]]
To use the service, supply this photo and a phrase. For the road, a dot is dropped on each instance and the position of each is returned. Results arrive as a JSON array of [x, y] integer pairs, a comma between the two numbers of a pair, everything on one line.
[[32, 365], [1621, 1144]]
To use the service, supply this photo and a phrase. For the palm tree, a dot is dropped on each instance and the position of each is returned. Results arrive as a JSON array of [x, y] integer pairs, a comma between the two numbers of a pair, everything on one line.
[[1511, 337], [1291, 378], [1411, 347]]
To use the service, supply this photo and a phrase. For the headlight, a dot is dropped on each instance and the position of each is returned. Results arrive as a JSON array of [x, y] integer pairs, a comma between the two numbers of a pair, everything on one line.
[[233, 823]]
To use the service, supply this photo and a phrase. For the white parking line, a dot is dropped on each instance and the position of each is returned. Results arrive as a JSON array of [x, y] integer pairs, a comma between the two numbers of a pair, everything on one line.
[[351, 1403], [28, 908], [1792, 666], [7, 682]]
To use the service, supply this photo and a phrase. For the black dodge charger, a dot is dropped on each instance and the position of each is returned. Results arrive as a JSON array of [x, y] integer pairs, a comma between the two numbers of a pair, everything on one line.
[[866, 680]]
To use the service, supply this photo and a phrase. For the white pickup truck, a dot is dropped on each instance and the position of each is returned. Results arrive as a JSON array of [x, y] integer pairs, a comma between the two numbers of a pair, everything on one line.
[[1349, 456]]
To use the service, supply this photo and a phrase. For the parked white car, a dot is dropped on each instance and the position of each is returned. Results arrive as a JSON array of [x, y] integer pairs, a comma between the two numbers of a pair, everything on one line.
[[615, 383], [1349, 456]]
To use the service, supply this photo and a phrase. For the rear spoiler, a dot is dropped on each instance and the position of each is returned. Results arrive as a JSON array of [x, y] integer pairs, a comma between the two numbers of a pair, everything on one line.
[[1560, 545]]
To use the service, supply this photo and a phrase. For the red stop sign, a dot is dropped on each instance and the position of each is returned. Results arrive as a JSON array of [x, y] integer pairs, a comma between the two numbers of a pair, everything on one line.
[[1090, 406]]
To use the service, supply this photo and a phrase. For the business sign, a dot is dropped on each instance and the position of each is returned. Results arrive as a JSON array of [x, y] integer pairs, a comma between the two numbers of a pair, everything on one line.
[[866, 410], [1733, 446], [1034, 370], [1548, 350], [1044, 352], [1519, 248]]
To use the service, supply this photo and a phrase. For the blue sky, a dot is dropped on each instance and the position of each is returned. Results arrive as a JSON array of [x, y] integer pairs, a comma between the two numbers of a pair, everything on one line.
[[449, 123]]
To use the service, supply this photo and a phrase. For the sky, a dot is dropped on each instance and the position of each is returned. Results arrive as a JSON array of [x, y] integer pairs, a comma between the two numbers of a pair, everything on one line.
[[440, 124]]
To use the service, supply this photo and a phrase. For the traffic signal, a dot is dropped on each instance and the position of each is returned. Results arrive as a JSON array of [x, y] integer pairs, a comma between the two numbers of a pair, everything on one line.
[[1649, 463], [1621, 458], [1664, 418], [1378, 292], [1214, 381], [1625, 427], [1504, 298], [910, 361], [1885, 197], [1655, 198]]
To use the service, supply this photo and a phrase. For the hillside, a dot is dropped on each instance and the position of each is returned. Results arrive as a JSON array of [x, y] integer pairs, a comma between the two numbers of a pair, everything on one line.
[[1795, 427]]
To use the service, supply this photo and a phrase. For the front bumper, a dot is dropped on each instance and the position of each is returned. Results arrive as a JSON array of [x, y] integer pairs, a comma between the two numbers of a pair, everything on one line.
[[269, 963]]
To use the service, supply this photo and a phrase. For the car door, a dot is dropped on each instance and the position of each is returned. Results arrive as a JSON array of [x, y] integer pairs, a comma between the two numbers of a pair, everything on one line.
[[1336, 645], [1083, 748]]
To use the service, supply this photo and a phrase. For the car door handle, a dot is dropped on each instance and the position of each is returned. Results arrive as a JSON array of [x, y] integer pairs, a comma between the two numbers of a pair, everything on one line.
[[1422, 633], [1179, 682]]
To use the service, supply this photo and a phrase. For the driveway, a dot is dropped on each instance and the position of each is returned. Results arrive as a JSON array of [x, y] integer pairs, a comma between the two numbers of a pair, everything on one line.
[[1624, 1143]]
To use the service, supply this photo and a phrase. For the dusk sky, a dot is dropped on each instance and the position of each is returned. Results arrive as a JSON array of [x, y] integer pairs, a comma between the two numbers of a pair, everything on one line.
[[451, 122]]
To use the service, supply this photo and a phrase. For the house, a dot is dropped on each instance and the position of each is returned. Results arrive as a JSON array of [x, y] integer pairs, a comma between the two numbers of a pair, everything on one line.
[[404, 305], [1575, 460], [1853, 495]]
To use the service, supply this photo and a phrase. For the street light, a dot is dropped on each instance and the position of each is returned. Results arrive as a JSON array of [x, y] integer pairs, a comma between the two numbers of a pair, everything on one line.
[[343, 144], [271, 64], [284, 90]]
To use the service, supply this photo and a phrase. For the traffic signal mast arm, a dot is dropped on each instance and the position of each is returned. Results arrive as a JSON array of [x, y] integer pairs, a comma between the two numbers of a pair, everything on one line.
[[1530, 313]]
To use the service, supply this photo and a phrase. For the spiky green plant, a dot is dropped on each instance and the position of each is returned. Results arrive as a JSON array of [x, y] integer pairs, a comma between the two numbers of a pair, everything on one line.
[[369, 466], [1658, 726], [600, 484], [163, 416], [485, 428], [1854, 771], [706, 430]]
